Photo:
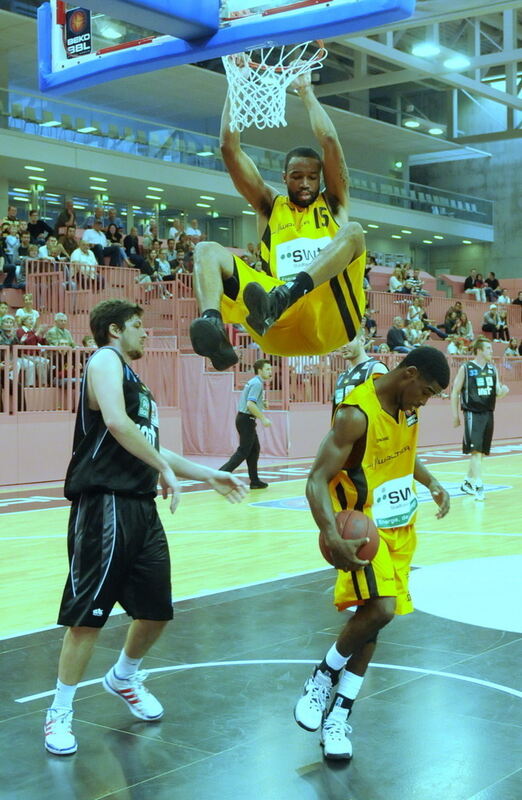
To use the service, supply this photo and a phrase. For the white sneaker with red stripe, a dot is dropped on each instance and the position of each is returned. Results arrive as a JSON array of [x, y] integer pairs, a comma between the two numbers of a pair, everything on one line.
[[59, 739], [138, 699]]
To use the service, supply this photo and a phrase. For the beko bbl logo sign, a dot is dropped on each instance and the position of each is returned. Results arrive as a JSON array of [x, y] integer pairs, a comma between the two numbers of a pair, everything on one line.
[[77, 32]]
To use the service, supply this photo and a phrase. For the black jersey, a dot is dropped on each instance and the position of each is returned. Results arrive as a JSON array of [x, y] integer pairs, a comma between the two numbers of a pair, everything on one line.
[[99, 463], [352, 377], [479, 392]]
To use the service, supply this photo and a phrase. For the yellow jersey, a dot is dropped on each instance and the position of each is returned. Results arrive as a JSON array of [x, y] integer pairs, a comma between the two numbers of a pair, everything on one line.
[[294, 236], [382, 484]]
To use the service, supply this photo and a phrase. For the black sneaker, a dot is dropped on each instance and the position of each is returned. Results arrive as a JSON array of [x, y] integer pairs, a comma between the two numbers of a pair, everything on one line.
[[258, 485], [209, 338], [265, 307]]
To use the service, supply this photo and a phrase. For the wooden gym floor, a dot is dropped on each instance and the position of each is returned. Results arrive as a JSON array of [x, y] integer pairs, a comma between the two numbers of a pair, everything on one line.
[[439, 716]]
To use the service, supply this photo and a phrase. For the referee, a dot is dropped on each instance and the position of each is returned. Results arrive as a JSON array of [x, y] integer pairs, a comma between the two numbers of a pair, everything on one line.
[[477, 384], [250, 409]]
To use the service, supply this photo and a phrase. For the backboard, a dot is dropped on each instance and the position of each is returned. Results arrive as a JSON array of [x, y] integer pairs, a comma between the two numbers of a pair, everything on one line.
[[108, 39]]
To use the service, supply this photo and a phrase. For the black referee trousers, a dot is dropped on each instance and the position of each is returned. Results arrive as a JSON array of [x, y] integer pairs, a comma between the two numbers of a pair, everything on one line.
[[248, 449]]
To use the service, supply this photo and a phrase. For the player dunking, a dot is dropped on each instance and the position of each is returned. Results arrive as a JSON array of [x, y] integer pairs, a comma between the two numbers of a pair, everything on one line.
[[477, 386], [368, 462], [309, 299], [117, 547]]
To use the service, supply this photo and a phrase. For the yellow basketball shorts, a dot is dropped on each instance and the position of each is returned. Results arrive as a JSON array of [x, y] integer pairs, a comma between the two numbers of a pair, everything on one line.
[[385, 576], [319, 322]]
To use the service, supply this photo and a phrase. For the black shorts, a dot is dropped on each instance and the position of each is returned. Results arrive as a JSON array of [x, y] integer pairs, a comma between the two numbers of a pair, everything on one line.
[[478, 432], [118, 553]]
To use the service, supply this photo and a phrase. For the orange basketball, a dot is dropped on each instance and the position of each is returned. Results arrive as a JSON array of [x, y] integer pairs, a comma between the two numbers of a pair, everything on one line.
[[354, 525]]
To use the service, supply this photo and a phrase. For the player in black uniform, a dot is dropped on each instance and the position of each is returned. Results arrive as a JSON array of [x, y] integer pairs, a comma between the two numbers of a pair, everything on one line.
[[117, 546], [477, 386], [360, 367]]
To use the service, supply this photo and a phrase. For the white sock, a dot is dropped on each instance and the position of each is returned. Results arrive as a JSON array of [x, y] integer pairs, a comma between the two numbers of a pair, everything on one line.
[[64, 695], [349, 685], [125, 666], [334, 659]]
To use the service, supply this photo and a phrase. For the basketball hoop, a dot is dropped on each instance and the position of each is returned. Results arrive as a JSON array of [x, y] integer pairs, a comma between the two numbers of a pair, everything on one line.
[[258, 83]]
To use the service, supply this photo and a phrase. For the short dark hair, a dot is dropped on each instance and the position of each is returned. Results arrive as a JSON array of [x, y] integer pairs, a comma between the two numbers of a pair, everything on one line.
[[431, 364], [109, 312], [479, 343], [260, 363], [33, 211], [302, 152]]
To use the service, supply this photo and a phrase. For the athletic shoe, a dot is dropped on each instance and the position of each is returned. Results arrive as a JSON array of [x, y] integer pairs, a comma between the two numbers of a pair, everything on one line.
[[138, 699], [479, 493], [467, 488], [259, 485], [265, 307], [59, 739], [334, 737], [310, 708], [209, 338]]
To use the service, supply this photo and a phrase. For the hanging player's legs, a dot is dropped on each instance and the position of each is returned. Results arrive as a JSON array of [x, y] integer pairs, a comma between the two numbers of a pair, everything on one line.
[[343, 666], [213, 264], [266, 307]]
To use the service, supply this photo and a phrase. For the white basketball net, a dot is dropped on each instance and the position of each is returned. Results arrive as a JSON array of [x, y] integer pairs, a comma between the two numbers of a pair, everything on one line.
[[258, 83]]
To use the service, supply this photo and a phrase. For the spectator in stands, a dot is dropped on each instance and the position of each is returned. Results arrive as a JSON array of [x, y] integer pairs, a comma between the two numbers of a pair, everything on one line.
[[512, 348], [34, 364], [184, 241], [69, 241], [415, 335], [518, 299], [456, 346], [100, 246], [396, 282], [7, 331], [83, 267], [131, 246], [23, 255], [27, 310], [12, 243], [12, 217], [58, 335], [451, 323], [114, 237], [88, 341], [491, 287], [383, 348], [475, 285], [96, 217], [163, 267], [252, 256], [4, 309], [502, 297], [66, 218], [53, 250], [491, 323], [396, 338], [7, 259], [193, 230], [504, 325], [176, 230], [38, 228], [464, 328], [113, 219], [416, 312], [171, 249]]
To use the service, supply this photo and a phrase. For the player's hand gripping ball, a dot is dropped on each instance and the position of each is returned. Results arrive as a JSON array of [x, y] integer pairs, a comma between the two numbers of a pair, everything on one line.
[[354, 525]]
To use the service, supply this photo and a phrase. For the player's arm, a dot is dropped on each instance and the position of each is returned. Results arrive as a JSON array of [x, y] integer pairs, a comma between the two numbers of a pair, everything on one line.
[[349, 426], [438, 492], [458, 383], [335, 169], [105, 390], [223, 482], [501, 390], [244, 173], [256, 412]]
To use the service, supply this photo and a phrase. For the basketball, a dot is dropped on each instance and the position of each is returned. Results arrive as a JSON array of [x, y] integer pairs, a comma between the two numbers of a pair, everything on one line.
[[354, 525]]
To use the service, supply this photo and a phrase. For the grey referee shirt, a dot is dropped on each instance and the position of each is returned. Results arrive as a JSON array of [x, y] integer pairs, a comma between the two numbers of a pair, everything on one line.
[[252, 391]]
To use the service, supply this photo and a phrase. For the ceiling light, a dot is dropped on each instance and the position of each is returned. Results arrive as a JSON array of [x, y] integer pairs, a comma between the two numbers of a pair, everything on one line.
[[396, 236], [223, 228], [427, 241], [34, 169], [19, 197], [425, 49], [95, 178], [252, 213], [156, 188], [403, 230], [205, 205], [50, 194], [24, 191], [364, 230], [207, 197], [436, 236], [87, 129], [54, 203], [205, 153], [411, 123], [52, 123], [372, 225], [98, 188], [37, 178], [398, 165], [136, 208], [79, 208], [457, 62], [152, 197], [436, 131], [467, 241]]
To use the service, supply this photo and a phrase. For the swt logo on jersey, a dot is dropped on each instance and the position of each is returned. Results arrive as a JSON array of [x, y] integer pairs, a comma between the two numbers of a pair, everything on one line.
[[298, 254]]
